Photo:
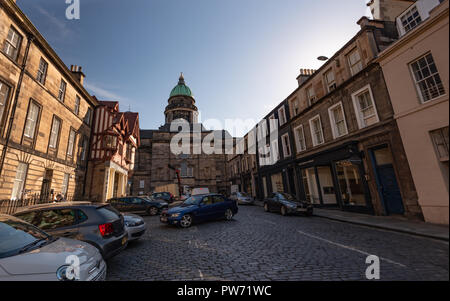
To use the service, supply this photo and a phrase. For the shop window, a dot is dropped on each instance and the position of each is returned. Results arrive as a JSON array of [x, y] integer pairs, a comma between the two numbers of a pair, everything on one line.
[[350, 184], [277, 183], [310, 185], [326, 185]]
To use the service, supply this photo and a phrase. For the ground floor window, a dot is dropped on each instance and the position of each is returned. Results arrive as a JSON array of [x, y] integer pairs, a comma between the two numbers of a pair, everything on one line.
[[65, 184], [350, 184], [277, 183], [326, 185], [19, 181], [310, 185]]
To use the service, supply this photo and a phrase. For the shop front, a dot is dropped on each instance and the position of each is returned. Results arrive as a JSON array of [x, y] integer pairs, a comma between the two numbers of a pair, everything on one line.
[[335, 178]]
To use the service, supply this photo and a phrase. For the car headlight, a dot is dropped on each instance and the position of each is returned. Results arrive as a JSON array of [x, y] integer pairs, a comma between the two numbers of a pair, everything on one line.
[[130, 224], [64, 273], [175, 215], [292, 205]]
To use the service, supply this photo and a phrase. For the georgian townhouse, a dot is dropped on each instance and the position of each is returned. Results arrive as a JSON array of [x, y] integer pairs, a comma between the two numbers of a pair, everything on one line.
[[45, 115], [417, 77], [347, 144]]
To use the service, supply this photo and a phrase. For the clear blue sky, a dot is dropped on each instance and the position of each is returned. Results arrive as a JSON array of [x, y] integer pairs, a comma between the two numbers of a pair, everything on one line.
[[239, 57]]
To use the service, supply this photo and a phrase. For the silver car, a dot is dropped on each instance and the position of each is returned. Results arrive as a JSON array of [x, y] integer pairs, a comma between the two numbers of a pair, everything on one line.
[[29, 254], [135, 226], [242, 198]]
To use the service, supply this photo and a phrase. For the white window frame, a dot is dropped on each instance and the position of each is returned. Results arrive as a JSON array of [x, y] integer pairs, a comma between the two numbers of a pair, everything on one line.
[[71, 143], [19, 181], [297, 139], [417, 83], [356, 106], [274, 151], [331, 85], [405, 14], [42, 73], [142, 184], [65, 184], [30, 123], [334, 127], [62, 90], [11, 50], [282, 116], [358, 63], [54, 133], [286, 147], [313, 133]]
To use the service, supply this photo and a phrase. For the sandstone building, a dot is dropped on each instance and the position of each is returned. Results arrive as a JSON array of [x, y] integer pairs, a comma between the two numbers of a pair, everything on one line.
[[45, 114], [155, 156]]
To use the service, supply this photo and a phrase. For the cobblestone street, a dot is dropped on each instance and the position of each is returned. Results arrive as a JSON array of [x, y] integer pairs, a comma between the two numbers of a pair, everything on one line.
[[266, 246]]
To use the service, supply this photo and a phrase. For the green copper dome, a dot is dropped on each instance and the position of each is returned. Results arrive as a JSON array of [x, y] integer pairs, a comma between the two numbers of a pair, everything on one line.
[[181, 89]]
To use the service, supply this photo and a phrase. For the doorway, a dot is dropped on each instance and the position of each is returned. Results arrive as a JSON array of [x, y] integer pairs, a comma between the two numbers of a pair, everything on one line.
[[46, 185], [386, 180]]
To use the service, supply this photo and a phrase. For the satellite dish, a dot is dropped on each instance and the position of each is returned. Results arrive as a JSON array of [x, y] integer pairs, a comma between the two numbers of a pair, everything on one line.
[[322, 58]]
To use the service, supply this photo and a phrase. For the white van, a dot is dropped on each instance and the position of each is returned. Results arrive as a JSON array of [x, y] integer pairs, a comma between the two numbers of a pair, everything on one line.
[[199, 191]]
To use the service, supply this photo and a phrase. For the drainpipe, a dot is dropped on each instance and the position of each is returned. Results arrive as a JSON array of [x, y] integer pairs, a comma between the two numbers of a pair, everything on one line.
[[30, 39]]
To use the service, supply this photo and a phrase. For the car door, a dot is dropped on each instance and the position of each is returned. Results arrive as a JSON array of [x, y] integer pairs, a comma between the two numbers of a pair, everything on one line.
[[59, 222], [139, 205], [206, 209], [220, 206]]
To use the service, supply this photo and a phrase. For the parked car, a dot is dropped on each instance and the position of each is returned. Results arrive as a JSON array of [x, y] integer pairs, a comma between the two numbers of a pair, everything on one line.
[[166, 196], [29, 254], [200, 208], [98, 224], [242, 198], [139, 205], [134, 225], [286, 204]]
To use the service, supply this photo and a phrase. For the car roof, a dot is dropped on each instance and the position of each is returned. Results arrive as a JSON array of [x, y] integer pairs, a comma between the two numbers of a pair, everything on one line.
[[61, 205]]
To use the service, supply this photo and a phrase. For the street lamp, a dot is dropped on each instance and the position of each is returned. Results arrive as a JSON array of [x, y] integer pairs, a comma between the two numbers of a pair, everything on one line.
[[322, 58]]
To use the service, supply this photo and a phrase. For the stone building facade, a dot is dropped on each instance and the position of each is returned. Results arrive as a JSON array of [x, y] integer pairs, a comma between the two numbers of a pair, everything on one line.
[[338, 144], [45, 114], [155, 157]]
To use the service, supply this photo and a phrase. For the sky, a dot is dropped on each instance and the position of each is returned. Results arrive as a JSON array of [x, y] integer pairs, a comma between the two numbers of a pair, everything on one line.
[[240, 58]]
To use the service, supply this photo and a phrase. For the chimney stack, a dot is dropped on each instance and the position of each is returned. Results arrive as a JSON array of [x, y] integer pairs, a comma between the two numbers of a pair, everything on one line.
[[304, 75], [76, 71]]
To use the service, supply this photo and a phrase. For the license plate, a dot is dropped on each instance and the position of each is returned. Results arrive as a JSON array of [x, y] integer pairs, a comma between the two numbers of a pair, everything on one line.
[[124, 240]]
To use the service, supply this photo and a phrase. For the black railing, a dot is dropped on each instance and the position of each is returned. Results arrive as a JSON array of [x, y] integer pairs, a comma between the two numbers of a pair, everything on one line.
[[11, 206]]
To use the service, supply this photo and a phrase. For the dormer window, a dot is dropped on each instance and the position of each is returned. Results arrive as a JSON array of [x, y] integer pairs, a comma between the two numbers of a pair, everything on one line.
[[410, 19]]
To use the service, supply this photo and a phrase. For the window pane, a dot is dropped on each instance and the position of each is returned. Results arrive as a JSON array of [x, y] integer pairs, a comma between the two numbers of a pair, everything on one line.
[[350, 184], [427, 78], [19, 181], [54, 133], [4, 94], [32, 117], [310, 185]]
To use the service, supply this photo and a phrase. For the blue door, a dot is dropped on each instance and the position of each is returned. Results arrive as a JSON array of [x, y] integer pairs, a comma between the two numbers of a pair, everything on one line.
[[387, 181]]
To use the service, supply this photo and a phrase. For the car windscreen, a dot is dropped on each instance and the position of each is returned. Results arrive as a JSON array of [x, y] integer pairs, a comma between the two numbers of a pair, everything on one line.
[[193, 200], [108, 212], [16, 236]]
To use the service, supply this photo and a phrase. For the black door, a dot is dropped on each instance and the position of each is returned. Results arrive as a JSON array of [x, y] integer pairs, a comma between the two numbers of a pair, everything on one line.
[[387, 181], [46, 185]]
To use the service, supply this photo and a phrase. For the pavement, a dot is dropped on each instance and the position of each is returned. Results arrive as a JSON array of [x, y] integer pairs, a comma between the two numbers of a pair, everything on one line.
[[262, 246], [391, 223]]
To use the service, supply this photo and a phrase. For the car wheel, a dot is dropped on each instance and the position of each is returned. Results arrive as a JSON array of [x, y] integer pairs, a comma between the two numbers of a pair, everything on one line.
[[153, 211], [228, 215], [283, 211], [266, 207], [186, 221]]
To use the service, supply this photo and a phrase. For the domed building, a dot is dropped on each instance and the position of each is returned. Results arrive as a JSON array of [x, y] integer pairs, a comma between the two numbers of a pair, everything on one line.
[[154, 157]]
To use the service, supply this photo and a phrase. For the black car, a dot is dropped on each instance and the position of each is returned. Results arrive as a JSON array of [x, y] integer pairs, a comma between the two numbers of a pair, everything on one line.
[[139, 205], [97, 224], [166, 196], [287, 204]]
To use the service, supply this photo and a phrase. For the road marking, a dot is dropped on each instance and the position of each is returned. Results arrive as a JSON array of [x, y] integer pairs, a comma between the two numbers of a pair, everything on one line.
[[348, 248]]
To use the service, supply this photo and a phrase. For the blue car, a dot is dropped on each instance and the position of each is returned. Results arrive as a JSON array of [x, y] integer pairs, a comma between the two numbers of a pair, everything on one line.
[[200, 208]]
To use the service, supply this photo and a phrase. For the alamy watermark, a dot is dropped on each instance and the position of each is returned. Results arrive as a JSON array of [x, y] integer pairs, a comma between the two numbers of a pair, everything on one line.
[[73, 9], [373, 270]]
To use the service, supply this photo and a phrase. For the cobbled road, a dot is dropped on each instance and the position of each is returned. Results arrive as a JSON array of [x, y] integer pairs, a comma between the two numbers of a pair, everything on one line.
[[266, 246]]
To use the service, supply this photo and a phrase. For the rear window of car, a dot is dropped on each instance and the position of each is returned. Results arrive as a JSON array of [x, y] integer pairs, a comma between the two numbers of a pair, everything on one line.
[[108, 212]]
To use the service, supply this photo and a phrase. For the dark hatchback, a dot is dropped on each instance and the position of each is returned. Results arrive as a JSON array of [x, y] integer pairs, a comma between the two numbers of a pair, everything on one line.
[[200, 208], [166, 196], [286, 204], [97, 224], [139, 205]]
